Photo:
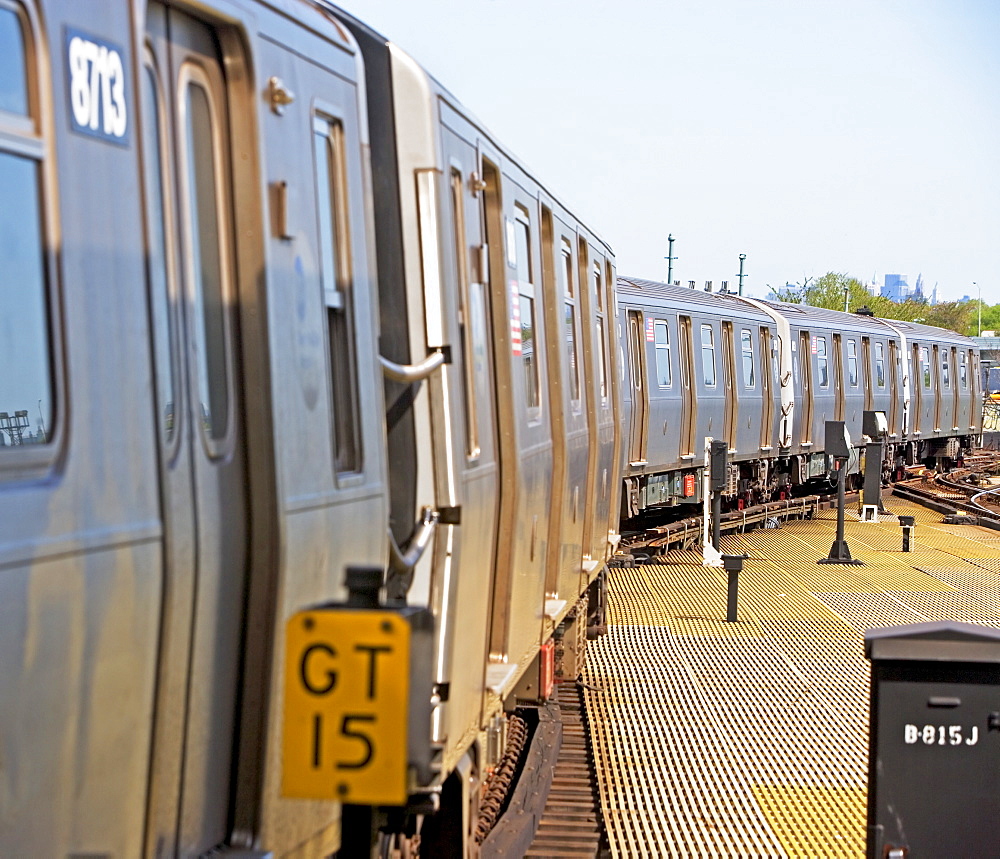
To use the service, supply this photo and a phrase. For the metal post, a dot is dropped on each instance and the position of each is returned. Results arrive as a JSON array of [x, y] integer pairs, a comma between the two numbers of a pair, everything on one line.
[[716, 519], [840, 552], [670, 259], [742, 258], [979, 302]]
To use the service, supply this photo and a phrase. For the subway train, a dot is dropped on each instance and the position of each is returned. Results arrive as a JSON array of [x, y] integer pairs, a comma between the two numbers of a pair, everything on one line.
[[765, 377], [277, 310], [316, 427]]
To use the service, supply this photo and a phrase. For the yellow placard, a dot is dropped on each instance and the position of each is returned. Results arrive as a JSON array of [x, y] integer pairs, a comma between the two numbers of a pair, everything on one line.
[[347, 677]]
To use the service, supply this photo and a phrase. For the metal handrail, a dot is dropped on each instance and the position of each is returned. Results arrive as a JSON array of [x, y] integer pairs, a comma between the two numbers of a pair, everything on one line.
[[409, 373]]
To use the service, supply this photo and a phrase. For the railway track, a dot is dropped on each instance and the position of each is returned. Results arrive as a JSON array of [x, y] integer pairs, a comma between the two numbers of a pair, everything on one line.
[[687, 533], [571, 822], [973, 490]]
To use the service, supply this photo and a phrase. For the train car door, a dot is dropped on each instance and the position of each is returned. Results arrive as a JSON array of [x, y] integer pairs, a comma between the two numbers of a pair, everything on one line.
[[468, 321], [766, 387], [688, 405], [936, 382], [866, 363], [805, 374], [205, 479], [956, 407], [640, 402], [838, 378], [729, 386], [919, 383], [895, 394], [969, 384]]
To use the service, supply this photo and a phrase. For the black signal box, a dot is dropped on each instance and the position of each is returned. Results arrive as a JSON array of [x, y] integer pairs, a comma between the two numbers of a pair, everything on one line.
[[934, 740]]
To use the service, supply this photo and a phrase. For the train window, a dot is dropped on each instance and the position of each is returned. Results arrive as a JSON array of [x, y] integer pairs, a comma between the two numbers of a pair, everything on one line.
[[158, 263], [601, 359], [822, 362], [26, 383], [602, 354], [852, 363], [963, 370], [708, 354], [880, 365], [564, 274], [13, 68], [525, 299], [945, 369], [925, 366], [336, 277], [207, 257], [746, 347], [661, 337], [598, 287], [522, 245], [531, 391], [467, 318]]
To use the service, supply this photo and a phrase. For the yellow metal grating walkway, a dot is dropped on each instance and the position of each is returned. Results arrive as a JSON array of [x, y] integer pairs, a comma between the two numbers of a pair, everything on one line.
[[751, 738]]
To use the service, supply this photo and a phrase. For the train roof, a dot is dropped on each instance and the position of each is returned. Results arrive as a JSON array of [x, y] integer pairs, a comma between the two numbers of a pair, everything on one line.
[[859, 321], [804, 313], [654, 290], [918, 329], [828, 317]]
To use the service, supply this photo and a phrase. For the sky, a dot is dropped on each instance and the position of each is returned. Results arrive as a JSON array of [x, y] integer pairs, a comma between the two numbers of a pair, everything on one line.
[[855, 136]]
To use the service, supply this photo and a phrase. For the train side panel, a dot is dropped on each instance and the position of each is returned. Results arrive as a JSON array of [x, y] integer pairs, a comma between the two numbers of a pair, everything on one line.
[[81, 567], [327, 395]]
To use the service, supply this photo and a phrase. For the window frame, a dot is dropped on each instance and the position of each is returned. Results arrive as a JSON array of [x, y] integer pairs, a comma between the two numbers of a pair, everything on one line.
[[596, 278], [456, 180], [853, 372], [520, 226], [565, 265], [662, 351], [746, 352], [880, 365], [169, 437], [31, 137], [191, 74], [710, 349], [822, 362], [327, 125]]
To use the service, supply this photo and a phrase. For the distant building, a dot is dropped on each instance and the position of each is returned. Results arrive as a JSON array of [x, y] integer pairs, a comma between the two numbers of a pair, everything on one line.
[[896, 287], [773, 296]]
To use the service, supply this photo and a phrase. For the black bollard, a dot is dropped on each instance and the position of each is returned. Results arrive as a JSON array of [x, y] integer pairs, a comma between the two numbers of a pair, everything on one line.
[[907, 523], [733, 565]]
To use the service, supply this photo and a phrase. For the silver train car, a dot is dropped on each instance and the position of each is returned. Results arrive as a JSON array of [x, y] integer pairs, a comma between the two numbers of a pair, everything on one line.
[[275, 305], [766, 377]]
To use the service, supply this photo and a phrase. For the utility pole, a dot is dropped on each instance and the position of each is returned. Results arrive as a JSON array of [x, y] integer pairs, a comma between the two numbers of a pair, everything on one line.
[[979, 303], [742, 259], [670, 259]]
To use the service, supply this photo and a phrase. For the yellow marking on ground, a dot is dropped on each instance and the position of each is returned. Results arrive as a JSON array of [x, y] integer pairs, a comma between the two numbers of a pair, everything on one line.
[[815, 821]]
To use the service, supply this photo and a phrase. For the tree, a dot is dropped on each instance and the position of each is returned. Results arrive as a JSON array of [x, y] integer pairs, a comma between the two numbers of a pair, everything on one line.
[[991, 318], [828, 291], [957, 316]]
